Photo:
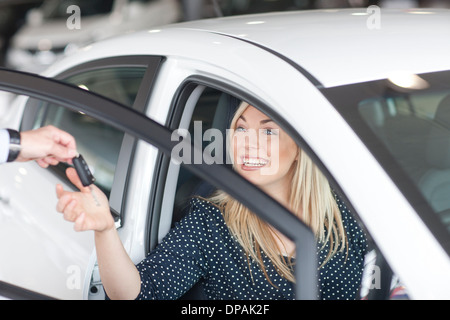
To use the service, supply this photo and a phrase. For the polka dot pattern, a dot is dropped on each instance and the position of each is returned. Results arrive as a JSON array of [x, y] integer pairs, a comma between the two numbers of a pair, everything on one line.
[[340, 277], [201, 248]]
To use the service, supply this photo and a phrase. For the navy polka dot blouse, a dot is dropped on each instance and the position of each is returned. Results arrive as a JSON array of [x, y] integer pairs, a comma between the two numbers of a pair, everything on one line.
[[201, 248]]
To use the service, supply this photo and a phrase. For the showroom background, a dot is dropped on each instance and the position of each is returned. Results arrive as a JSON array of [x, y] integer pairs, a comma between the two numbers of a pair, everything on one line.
[[35, 33]]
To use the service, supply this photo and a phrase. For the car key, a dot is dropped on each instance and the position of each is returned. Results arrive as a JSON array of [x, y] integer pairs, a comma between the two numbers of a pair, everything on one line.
[[83, 171], [85, 175]]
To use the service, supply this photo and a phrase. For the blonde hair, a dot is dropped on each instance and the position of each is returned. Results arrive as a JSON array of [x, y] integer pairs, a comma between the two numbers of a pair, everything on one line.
[[310, 198]]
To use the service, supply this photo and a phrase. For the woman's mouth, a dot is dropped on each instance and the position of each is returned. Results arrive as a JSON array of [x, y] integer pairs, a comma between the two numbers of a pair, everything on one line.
[[253, 163]]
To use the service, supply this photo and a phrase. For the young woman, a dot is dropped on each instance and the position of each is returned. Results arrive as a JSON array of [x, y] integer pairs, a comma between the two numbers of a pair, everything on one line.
[[220, 243]]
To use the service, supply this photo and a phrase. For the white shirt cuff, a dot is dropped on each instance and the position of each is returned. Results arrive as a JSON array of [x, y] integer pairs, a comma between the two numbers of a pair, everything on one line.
[[4, 145]]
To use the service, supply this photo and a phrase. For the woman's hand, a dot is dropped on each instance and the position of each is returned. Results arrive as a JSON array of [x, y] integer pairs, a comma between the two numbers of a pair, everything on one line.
[[81, 207], [120, 277]]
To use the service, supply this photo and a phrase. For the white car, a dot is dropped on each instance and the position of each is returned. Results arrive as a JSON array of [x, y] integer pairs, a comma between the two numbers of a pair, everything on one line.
[[364, 92], [57, 28]]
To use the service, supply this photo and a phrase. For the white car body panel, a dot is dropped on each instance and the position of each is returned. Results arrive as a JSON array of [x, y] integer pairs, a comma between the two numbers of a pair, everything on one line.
[[59, 256], [344, 51], [337, 46]]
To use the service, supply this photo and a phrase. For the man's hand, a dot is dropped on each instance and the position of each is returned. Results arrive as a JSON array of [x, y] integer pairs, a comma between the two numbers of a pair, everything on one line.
[[47, 145]]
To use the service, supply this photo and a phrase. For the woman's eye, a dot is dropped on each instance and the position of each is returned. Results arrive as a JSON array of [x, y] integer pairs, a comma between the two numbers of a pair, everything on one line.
[[269, 132], [240, 129]]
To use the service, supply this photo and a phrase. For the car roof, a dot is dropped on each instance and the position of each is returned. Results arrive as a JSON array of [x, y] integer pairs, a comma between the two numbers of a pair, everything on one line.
[[347, 45], [333, 47]]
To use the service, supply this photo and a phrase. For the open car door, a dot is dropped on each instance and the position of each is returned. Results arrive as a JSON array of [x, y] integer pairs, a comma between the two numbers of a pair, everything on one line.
[[141, 127]]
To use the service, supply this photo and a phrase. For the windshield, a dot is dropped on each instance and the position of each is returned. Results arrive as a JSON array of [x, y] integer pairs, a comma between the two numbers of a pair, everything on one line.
[[405, 122], [56, 9]]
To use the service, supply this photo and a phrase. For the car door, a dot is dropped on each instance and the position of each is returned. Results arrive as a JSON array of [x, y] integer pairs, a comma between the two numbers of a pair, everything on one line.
[[126, 80], [134, 123]]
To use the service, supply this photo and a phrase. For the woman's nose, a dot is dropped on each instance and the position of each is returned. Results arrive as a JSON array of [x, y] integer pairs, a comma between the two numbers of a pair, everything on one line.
[[251, 139]]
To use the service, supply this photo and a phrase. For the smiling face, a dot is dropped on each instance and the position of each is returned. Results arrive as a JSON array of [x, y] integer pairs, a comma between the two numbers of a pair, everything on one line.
[[262, 152]]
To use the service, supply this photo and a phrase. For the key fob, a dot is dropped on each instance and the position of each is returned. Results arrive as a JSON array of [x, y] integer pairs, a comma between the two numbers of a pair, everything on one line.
[[83, 171]]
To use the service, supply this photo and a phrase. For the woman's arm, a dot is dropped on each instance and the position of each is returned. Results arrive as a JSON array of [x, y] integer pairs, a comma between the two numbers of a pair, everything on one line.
[[119, 275], [169, 270]]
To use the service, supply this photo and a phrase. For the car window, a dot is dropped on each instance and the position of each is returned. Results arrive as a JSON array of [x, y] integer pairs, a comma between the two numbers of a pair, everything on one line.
[[118, 83], [404, 121], [415, 129]]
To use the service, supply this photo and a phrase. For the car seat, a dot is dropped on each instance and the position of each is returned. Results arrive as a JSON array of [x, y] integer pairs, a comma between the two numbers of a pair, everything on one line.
[[402, 133], [191, 185]]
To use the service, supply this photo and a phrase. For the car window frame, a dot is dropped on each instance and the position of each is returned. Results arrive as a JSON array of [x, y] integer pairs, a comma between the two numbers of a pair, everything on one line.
[[158, 226], [140, 126], [151, 64]]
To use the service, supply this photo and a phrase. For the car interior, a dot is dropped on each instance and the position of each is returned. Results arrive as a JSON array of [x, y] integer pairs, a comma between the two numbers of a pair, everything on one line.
[[214, 109], [415, 129]]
